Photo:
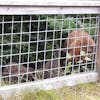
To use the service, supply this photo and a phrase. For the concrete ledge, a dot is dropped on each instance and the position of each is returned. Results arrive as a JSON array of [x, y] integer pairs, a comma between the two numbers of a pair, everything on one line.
[[54, 83]]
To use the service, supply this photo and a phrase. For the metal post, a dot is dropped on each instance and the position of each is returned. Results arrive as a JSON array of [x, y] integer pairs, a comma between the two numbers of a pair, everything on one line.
[[98, 52]]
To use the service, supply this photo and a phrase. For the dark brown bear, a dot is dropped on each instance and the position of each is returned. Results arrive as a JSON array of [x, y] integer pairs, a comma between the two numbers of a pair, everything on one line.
[[52, 69], [13, 70], [76, 41]]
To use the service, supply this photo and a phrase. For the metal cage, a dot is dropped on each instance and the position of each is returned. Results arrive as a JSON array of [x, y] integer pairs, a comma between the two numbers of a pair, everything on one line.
[[35, 47], [42, 41]]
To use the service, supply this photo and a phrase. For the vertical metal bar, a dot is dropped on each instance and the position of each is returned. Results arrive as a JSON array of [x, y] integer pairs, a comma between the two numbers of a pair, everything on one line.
[[96, 44], [73, 55], [21, 29], [51, 70], [2, 51], [59, 55], [79, 46], [45, 47], [67, 39], [83, 17], [11, 49], [98, 51], [37, 48], [93, 66], [86, 65], [29, 48]]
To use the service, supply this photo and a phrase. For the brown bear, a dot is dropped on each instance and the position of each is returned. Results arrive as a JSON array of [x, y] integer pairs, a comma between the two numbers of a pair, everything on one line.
[[53, 69], [13, 71], [77, 41]]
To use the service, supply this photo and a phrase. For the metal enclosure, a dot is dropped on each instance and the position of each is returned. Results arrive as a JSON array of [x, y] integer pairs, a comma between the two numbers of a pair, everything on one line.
[[36, 45]]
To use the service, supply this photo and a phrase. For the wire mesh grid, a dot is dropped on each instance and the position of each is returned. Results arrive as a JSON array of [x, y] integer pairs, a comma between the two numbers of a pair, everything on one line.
[[37, 47]]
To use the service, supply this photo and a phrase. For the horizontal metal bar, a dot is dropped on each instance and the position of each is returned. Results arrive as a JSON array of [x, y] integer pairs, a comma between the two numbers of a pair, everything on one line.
[[16, 10], [51, 2], [48, 84]]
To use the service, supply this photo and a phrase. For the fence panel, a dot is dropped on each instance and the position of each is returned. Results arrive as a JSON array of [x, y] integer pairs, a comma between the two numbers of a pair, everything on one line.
[[39, 42], [36, 47]]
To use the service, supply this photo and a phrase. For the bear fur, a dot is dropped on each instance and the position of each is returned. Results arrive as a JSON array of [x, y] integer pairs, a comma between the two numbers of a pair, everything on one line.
[[55, 64], [13, 70], [76, 41]]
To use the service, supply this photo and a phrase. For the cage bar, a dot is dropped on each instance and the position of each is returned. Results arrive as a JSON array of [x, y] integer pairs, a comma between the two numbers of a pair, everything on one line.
[[98, 52]]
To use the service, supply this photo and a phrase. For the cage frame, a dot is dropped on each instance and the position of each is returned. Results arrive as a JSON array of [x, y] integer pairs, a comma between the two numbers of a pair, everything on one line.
[[27, 7], [49, 7]]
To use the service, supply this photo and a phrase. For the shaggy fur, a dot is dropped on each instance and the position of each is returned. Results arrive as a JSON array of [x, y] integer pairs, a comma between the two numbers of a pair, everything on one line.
[[14, 69], [54, 70], [75, 40]]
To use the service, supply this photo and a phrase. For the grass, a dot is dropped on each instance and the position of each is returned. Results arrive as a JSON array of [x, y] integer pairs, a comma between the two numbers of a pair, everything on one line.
[[90, 91]]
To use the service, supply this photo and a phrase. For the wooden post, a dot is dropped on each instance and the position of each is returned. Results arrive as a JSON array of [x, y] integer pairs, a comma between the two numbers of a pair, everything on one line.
[[98, 53]]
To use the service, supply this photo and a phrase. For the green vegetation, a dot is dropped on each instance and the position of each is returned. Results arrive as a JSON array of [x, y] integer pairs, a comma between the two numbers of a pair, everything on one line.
[[28, 31], [90, 91]]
